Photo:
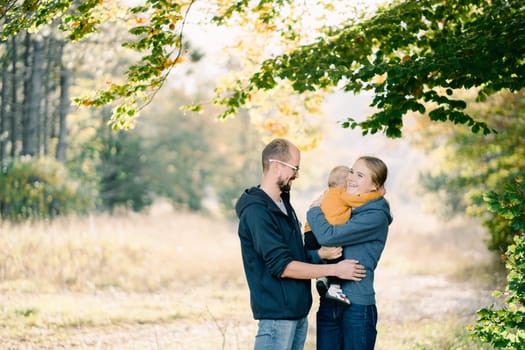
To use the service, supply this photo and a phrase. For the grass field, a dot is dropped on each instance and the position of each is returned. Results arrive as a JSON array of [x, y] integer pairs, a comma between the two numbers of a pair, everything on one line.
[[166, 280]]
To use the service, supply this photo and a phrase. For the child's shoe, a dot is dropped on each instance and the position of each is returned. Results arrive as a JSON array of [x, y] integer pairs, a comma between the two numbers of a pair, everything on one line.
[[336, 293]]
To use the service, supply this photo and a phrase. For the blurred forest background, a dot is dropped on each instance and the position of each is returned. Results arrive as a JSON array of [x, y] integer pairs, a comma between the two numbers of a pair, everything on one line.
[[59, 159], [60, 162]]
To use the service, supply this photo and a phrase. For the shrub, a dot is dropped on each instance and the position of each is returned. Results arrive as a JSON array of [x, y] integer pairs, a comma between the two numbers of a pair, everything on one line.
[[122, 170], [38, 188], [505, 327]]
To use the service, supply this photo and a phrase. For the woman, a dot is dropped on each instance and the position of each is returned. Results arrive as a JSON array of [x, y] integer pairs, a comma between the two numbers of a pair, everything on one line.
[[363, 237]]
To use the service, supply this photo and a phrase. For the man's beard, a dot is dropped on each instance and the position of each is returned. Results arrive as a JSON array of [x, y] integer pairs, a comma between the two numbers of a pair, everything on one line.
[[284, 186]]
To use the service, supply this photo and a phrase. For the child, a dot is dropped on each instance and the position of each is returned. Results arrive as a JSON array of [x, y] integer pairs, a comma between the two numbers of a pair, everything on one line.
[[337, 206]]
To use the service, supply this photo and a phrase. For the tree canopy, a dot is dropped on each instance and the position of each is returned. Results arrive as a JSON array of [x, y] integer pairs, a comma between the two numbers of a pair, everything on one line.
[[463, 166], [413, 55]]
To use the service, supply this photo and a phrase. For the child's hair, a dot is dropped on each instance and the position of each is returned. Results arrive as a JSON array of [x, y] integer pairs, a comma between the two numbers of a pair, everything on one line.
[[377, 168], [338, 175]]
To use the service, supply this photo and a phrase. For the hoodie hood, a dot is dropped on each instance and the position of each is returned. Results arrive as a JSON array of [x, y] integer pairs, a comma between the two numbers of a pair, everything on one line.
[[256, 196]]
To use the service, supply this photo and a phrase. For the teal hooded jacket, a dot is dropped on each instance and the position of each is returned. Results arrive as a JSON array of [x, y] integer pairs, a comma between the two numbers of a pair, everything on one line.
[[363, 238]]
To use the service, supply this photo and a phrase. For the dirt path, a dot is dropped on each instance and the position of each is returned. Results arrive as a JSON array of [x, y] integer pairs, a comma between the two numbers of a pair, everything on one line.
[[403, 299], [417, 297]]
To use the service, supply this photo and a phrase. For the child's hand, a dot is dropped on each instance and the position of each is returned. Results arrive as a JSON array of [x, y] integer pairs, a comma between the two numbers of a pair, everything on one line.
[[330, 253], [317, 201]]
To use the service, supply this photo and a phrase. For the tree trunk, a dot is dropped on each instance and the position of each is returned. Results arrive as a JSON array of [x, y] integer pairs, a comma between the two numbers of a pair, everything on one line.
[[34, 60], [47, 93], [35, 100], [14, 100], [3, 105], [63, 108]]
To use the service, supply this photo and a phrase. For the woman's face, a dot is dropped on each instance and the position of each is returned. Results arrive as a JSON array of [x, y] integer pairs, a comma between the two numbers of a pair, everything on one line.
[[360, 179]]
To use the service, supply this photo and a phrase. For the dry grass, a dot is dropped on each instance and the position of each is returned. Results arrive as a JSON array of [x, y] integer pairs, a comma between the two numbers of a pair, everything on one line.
[[174, 281], [89, 254]]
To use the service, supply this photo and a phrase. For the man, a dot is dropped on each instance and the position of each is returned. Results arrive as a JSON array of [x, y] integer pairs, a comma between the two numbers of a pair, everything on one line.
[[274, 258]]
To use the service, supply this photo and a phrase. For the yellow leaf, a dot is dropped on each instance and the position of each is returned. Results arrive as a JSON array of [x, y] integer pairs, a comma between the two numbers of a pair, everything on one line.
[[379, 79]]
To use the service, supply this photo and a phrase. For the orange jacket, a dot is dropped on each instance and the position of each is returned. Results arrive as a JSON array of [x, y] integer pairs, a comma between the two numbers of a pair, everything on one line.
[[337, 204]]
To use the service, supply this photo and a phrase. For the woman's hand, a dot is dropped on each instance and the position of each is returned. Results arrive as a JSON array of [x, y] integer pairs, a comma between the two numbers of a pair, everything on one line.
[[330, 253]]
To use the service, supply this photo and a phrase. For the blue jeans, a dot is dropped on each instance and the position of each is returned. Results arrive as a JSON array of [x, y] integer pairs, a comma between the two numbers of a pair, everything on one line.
[[342, 327], [281, 334]]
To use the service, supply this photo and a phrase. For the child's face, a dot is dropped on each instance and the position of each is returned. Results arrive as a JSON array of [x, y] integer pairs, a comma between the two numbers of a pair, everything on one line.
[[360, 179]]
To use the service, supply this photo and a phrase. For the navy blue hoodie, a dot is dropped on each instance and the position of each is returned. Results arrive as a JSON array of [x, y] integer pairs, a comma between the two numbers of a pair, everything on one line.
[[270, 240]]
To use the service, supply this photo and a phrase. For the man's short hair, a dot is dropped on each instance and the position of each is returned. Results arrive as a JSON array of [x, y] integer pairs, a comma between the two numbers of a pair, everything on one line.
[[277, 149]]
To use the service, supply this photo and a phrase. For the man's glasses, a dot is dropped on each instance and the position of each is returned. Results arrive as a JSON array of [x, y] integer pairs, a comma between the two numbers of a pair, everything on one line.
[[295, 168]]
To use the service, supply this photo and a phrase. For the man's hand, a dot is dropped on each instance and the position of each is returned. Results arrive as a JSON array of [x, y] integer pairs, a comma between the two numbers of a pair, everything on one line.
[[330, 253], [350, 270]]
